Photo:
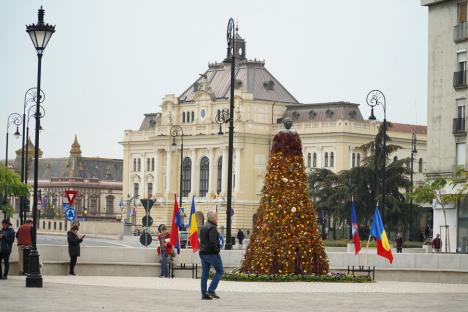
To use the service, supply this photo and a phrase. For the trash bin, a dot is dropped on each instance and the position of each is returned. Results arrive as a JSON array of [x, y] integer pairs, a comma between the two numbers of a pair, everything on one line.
[[26, 252]]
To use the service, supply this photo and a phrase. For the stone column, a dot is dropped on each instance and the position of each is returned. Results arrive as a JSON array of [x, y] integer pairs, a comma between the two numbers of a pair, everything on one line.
[[237, 170], [168, 170], [211, 180], [193, 177], [224, 170]]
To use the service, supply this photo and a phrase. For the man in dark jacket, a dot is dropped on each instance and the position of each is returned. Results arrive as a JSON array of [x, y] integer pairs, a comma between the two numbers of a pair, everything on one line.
[[240, 237], [74, 242], [209, 256], [7, 237]]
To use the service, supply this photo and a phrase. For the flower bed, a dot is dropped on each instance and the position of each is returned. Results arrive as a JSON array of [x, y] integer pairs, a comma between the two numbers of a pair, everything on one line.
[[330, 277]]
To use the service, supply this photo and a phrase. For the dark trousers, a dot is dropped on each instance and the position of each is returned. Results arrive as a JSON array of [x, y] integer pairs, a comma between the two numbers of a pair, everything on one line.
[[72, 264], [5, 259]]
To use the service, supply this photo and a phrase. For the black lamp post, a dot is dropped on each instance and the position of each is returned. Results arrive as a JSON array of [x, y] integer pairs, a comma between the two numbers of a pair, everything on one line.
[[29, 97], [374, 98], [15, 119], [413, 152], [40, 34], [175, 132], [228, 117]]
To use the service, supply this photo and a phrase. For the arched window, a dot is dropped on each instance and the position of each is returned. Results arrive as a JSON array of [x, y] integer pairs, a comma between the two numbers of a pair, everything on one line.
[[314, 160], [326, 159], [332, 159], [309, 160], [150, 189], [139, 164], [395, 158], [420, 165], [152, 164], [183, 117], [204, 175], [358, 160], [353, 162], [134, 164], [148, 164], [186, 176], [220, 175]]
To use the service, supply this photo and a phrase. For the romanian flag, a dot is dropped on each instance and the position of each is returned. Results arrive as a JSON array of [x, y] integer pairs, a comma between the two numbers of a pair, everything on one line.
[[193, 228], [175, 242], [378, 232], [355, 229]]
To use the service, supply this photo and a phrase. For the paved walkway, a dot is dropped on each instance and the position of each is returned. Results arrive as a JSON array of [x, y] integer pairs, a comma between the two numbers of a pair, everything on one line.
[[91, 293]]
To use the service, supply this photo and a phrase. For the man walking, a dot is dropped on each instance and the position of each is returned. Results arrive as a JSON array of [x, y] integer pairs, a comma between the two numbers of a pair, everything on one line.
[[7, 237], [23, 235], [209, 256]]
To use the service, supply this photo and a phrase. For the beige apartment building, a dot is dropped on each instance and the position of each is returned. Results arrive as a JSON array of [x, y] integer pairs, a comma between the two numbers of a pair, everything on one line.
[[331, 134], [447, 98]]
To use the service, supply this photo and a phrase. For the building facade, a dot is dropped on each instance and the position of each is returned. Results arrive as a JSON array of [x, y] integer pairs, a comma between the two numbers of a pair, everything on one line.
[[331, 134], [97, 180], [447, 99]]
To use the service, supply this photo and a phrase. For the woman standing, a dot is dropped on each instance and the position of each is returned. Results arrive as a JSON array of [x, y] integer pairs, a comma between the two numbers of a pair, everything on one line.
[[7, 236], [74, 246], [164, 250]]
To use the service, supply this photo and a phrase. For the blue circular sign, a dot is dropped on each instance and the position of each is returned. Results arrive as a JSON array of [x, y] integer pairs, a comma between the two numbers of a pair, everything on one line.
[[221, 241], [70, 214]]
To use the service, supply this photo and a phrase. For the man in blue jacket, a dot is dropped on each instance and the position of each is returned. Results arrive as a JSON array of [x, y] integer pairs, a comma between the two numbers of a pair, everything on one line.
[[209, 256], [7, 237]]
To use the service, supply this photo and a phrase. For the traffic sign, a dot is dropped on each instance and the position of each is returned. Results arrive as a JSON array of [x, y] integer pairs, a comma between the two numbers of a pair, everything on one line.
[[147, 221], [147, 204], [71, 195], [66, 206], [146, 239], [70, 214]]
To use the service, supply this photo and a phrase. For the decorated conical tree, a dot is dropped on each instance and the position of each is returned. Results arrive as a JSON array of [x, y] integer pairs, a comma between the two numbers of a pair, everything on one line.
[[285, 239]]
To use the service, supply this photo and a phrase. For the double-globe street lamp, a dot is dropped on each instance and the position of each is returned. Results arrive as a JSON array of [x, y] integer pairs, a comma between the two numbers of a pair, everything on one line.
[[29, 97], [175, 132], [225, 116], [375, 98], [40, 35], [15, 119]]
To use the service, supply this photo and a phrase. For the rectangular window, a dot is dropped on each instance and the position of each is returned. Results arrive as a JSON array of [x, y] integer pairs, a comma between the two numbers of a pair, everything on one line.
[[462, 12], [461, 154], [150, 189], [152, 164], [461, 108], [136, 187], [461, 60], [148, 164]]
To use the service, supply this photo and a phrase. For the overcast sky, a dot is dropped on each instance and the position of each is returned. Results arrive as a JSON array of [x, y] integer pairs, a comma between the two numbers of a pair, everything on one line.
[[110, 62]]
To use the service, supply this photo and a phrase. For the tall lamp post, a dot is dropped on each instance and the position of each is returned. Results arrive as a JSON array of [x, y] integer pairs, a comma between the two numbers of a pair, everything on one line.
[[175, 132], [373, 99], [40, 35], [228, 117], [29, 97], [413, 152], [15, 119]]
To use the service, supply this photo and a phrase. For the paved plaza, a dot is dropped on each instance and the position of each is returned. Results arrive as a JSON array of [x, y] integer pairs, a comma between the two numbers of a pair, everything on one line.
[[86, 293]]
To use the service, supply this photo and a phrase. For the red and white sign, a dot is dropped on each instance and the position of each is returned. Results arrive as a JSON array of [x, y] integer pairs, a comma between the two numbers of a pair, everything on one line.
[[71, 195]]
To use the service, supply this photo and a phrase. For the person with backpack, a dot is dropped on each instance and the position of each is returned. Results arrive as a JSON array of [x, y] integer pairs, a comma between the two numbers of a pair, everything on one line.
[[7, 237]]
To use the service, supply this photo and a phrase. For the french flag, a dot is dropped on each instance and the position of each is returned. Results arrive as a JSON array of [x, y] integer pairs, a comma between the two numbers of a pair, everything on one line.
[[355, 229]]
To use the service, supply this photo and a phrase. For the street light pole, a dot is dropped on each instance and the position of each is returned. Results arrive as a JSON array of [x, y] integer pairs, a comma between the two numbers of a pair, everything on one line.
[[40, 35], [29, 96], [374, 98], [15, 119], [175, 132], [413, 152]]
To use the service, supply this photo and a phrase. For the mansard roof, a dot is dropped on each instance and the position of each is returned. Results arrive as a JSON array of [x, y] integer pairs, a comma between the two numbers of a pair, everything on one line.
[[250, 76], [329, 111]]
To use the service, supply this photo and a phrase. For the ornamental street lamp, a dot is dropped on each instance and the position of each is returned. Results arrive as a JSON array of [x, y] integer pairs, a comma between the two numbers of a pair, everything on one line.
[[15, 119], [375, 98], [228, 117], [413, 152], [40, 35], [175, 132], [29, 97]]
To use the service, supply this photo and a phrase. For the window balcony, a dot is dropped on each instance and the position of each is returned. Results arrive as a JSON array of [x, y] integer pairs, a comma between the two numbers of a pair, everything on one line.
[[459, 79], [460, 32], [459, 126]]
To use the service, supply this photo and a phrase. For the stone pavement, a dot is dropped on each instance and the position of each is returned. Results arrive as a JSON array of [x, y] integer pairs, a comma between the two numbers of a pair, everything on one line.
[[94, 293]]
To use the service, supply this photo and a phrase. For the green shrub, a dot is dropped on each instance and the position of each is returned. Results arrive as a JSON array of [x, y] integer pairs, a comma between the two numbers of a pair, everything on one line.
[[330, 277]]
